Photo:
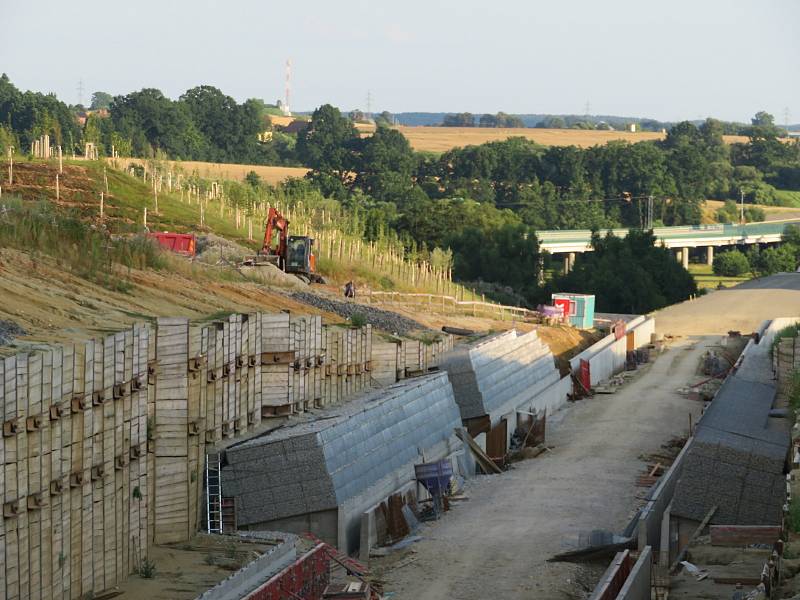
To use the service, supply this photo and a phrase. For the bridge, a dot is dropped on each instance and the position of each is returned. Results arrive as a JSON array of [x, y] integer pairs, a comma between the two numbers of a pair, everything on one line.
[[682, 238]]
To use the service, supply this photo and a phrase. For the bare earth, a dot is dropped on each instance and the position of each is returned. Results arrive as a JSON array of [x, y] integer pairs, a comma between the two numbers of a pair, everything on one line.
[[495, 545]]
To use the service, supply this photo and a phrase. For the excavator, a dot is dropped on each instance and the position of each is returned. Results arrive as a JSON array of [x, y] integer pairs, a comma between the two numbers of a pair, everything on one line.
[[292, 254]]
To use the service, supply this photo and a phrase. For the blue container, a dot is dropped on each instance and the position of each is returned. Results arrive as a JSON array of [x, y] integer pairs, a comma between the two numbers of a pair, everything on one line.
[[583, 315], [435, 476]]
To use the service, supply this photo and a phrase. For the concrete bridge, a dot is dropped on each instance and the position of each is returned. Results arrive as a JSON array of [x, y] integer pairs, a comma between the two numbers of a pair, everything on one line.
[[683, 238]]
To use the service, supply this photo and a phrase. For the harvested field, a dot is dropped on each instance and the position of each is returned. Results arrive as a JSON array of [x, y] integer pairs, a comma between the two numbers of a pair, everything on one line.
[[441, 139], [271, 175]]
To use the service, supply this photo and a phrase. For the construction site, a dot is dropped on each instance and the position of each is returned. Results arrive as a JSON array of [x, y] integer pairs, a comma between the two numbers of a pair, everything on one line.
[[229, 426]]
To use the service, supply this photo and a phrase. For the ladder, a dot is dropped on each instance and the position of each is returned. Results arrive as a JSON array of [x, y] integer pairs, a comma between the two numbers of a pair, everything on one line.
[[213, 494]]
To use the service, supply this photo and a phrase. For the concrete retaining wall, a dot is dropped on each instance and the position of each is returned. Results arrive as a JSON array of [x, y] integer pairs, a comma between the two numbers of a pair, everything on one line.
[[607, 357], [651, 517], [351, 460], [503, 374], [637, 586]]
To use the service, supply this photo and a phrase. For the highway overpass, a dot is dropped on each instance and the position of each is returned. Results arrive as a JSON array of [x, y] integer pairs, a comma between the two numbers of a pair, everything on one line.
[[682, 238]]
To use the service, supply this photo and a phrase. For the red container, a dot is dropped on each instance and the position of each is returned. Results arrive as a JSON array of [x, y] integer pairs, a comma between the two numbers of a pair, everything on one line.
[[182, 243]]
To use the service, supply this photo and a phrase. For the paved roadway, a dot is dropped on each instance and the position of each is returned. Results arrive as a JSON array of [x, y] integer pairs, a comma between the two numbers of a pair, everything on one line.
[[743, 307]]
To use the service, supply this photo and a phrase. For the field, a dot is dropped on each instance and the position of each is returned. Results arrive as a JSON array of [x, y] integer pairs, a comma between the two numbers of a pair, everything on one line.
[[773, 213], [271, 175], [705, 277], [441, 139]]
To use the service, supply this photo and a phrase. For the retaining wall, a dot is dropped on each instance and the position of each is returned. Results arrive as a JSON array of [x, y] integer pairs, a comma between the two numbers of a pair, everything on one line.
[[607, 357], [75, 470], [104, 441], [346, 462], [394, 360], [503, 374], [637, 585], [650, 526]]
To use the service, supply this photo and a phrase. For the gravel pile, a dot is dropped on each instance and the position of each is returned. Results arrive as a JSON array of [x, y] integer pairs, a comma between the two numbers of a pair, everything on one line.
[[8, 331], [382, 319]]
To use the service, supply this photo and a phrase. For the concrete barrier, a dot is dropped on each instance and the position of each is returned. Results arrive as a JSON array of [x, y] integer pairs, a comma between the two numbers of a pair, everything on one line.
[[651, 524], [607, 357], [637, 585]]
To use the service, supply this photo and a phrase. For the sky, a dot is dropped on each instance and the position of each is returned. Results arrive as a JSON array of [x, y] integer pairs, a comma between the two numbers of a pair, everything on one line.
[[663, 59]]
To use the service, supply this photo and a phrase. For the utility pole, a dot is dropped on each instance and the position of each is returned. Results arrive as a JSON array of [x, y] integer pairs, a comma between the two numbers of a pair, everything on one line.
[[741, 206], [80, 92], [650, 212], [368, 116]]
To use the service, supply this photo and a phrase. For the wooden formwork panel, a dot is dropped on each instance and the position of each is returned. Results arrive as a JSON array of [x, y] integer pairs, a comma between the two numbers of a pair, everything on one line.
[[171, 433], [93, 486], [277, 346]]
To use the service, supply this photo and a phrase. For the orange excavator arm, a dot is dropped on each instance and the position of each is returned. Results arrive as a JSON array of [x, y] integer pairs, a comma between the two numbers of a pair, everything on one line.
[[275, 221]]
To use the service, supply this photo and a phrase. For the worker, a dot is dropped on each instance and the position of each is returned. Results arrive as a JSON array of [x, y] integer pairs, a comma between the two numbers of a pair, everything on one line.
[[349, 290]]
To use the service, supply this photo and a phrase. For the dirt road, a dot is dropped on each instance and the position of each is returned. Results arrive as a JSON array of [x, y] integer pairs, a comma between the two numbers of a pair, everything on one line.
[[495, 545]]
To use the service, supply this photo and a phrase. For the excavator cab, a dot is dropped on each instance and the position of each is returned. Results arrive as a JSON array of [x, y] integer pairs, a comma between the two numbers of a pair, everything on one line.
[[300, 258]]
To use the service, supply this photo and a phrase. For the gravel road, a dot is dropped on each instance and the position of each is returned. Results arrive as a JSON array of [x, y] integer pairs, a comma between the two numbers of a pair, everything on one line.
[[495, 544]]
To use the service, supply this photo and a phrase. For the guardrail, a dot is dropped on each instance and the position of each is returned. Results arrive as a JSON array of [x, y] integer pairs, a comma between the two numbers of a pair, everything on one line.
[[451, 305]]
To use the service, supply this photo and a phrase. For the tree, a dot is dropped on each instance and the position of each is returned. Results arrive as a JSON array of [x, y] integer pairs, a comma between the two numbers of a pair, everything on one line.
[[732, 263], [101, 100], [772, 260], [230, 129], [631, 275], [464, 119], [327, 145], [153, 122], [253, 178], [551, 123]]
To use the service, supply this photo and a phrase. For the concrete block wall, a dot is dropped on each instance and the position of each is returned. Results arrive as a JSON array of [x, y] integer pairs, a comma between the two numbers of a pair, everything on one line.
[[504, 373], [355, 457]]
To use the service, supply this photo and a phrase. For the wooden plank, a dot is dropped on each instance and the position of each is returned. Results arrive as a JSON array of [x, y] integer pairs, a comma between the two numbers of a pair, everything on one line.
[[486, 463], [694, 535]]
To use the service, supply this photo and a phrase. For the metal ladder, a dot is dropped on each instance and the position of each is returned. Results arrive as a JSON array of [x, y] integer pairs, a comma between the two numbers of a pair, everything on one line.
[[213, 493]]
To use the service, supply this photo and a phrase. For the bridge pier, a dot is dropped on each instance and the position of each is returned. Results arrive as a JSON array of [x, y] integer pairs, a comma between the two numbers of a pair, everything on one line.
[[709, 255], [685, 257], [569, 262]]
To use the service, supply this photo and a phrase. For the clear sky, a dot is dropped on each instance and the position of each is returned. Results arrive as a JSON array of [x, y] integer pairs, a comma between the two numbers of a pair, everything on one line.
[[665, 59]]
